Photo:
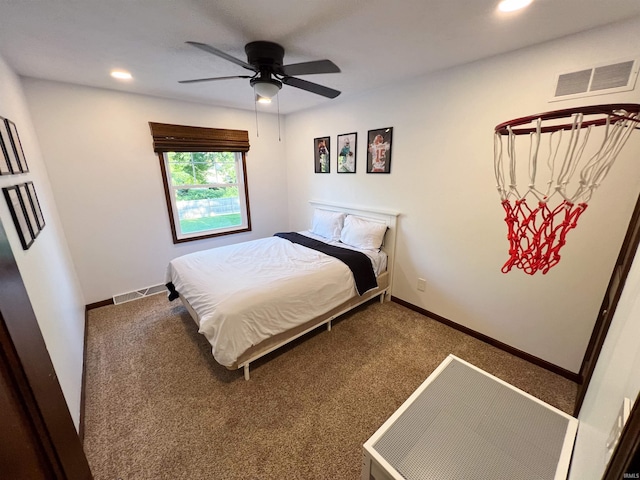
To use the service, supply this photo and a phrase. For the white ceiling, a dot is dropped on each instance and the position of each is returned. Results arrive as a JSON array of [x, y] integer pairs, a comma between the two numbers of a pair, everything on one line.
[[374, 42]]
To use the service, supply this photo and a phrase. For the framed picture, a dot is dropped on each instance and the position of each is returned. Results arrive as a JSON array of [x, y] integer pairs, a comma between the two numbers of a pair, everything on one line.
[[28, 207], [17, 146], [9, 163], [379, 150], [35, 204], [322, 158], [347, 146], [19, 215]]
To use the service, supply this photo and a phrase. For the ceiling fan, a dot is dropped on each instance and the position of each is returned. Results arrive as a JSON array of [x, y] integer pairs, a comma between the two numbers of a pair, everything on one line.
[[265, 60]]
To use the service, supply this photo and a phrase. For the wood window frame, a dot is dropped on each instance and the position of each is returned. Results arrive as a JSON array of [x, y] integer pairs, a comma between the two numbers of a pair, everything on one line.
[[181, 138]]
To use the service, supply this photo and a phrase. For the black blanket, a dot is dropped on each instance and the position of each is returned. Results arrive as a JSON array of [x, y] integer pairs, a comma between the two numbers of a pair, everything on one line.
[[173, 293], [357, 262]]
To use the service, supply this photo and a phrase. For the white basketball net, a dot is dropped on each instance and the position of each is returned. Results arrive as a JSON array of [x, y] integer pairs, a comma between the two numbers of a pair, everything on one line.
[[562, 154]]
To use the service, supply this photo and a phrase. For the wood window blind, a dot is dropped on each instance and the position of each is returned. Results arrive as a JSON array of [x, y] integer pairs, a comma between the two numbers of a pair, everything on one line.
[[180, 138]]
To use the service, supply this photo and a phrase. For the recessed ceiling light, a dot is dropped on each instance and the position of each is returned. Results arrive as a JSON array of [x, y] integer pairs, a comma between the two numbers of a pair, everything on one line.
[[512, 5], [121, 75]]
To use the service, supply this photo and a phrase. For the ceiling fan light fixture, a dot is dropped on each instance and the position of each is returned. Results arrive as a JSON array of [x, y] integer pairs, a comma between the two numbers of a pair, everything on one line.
[[265, 60], [260, 99], [266, 88]]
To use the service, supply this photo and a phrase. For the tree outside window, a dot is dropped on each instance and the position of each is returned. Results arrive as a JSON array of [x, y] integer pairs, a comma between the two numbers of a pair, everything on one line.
[[207, 193]]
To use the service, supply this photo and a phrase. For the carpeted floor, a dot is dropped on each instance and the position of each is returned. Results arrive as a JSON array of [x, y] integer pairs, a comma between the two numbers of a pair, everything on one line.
[[158, 406]]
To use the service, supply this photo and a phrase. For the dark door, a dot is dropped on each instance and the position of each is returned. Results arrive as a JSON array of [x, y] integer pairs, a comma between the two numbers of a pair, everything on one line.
[[38, 439]]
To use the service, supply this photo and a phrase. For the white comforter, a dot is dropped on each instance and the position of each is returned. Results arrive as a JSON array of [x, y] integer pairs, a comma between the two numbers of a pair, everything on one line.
[[248, 292]]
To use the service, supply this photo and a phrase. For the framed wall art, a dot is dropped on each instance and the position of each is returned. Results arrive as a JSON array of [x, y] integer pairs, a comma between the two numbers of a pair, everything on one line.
[[35, 205], [17, 145], [322, 157], [379, 150], [4, 161], [9, 163], [29, 210], [19, 215], [347, 146]]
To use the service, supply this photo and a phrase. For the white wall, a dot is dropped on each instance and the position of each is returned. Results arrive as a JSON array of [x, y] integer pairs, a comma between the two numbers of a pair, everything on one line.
[[451, 231], [617, 375], [108, 184], [109, 193], [46, 268]]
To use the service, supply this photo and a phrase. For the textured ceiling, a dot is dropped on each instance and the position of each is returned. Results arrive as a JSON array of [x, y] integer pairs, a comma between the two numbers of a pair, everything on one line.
[[374, 42]]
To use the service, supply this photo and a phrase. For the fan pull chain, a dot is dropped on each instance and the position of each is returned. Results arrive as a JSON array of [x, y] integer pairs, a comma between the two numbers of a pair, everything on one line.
[[255, 108], [278, 101]]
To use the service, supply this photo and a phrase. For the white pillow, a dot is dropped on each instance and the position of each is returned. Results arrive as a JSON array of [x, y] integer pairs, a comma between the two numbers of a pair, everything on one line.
[[361, 233], [327, 224]]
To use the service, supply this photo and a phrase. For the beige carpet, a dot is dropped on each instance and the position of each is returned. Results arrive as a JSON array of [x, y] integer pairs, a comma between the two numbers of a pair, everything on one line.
[[158, 406]]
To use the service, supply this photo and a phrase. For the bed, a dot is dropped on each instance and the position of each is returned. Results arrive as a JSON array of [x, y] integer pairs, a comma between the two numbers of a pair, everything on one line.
[[251, 298]]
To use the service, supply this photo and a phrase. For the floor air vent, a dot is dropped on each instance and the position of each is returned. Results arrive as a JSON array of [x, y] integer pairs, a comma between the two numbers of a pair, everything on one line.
[[598, 80], [144, 292]]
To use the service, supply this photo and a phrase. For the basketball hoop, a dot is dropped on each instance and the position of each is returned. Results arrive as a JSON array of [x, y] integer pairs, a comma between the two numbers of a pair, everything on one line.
[[557, 151]]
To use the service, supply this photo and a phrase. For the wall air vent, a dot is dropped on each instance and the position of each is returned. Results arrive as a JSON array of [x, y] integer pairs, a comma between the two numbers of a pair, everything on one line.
[[597, 80], [144, 292]]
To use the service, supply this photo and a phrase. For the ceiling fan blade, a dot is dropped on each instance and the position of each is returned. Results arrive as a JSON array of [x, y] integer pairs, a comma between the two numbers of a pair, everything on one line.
[[308, 68], [311, 87], [221, 54], [197, 80]]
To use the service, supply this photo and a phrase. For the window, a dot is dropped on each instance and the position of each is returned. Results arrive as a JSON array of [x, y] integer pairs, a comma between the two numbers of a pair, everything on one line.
[[205, 181]]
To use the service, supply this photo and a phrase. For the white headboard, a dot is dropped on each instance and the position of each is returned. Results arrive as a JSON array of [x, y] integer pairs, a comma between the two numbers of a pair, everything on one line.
[[389, 218]]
